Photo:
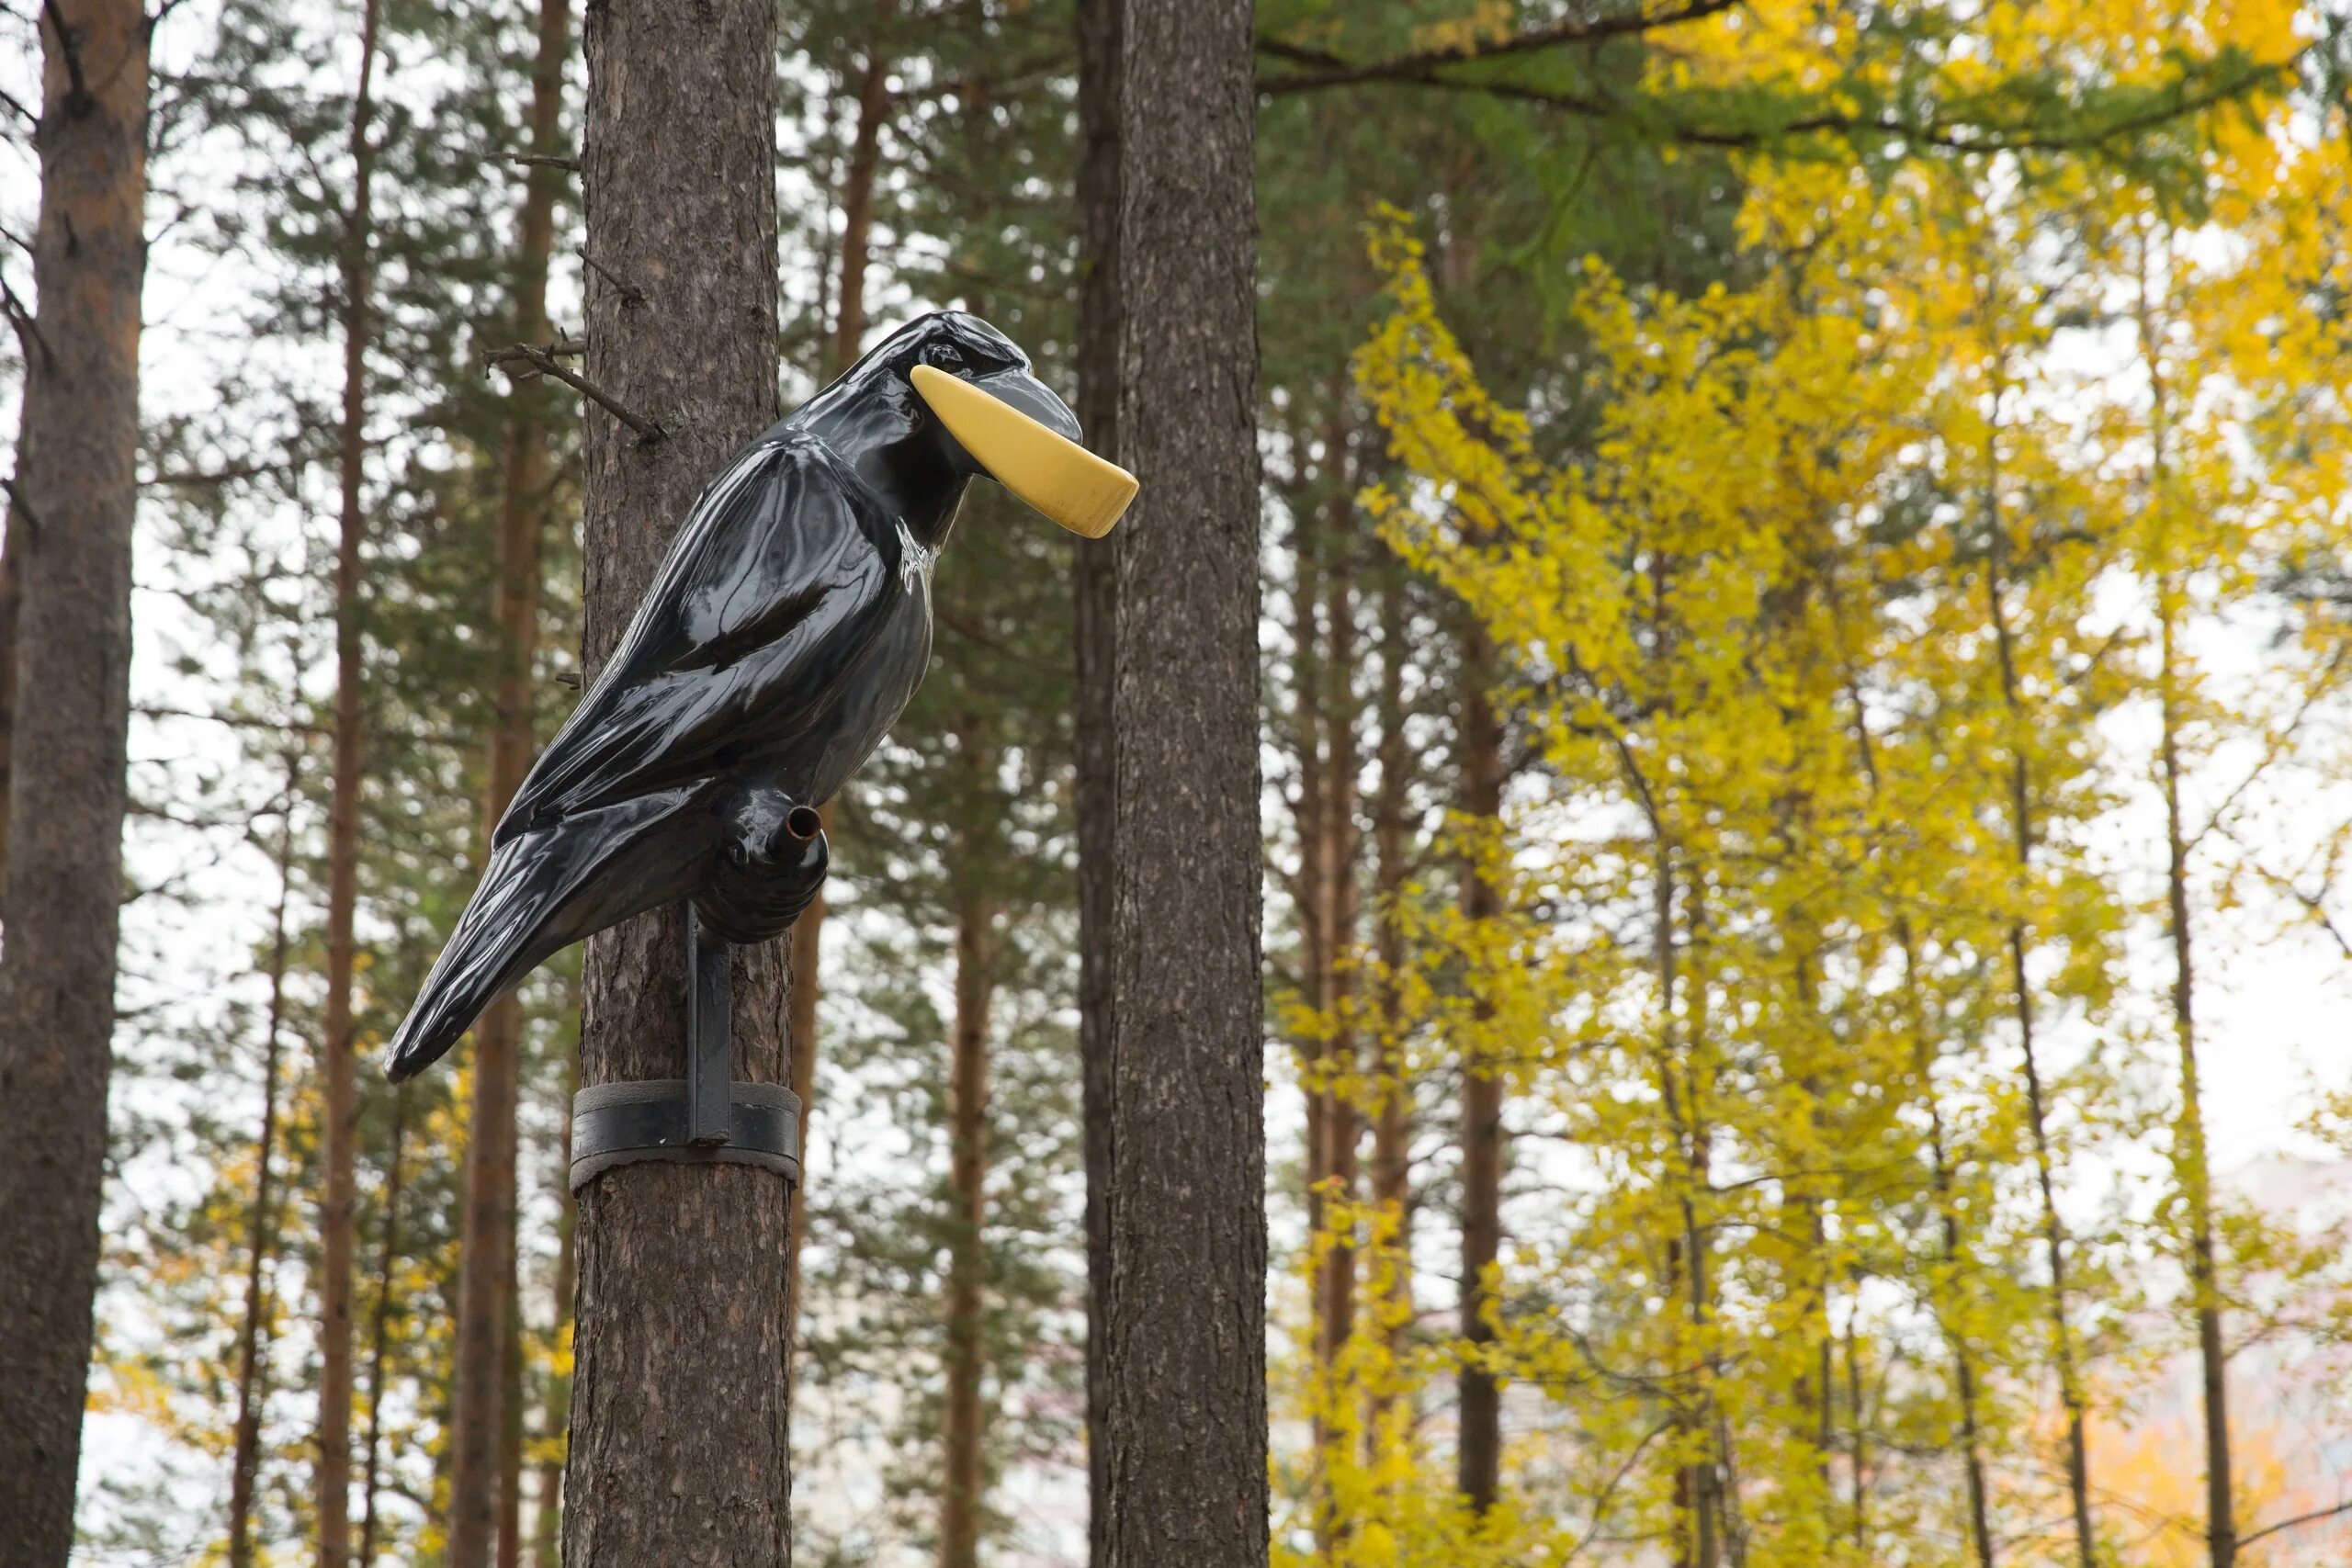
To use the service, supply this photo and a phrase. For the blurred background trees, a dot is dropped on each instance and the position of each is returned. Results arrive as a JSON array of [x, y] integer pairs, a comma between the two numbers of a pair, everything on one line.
[[1803, 649]]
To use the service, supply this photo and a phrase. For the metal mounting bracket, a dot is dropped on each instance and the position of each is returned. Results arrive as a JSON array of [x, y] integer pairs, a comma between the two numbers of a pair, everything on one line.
[[704, 1118]]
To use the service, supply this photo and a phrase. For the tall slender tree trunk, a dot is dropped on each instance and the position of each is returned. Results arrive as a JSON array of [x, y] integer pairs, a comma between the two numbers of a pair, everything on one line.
[[1392, 1129], [807, 937], [965, 1430], [1168, 795], [340, 1110], [252, 1382], [556, 1416], [486, 1250], [12, 601], [71, 504], [679, 1450], [379, 1332], [2191, 1167], [2189, 1160], [1337, 889], [1479, 1455], [2054, 1230]]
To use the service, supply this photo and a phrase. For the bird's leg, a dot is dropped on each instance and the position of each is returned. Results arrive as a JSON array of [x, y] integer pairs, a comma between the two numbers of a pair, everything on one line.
[[710, 966]]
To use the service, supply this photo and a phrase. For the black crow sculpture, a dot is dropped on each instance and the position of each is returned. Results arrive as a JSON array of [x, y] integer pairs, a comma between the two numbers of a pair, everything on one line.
[[783, 633]]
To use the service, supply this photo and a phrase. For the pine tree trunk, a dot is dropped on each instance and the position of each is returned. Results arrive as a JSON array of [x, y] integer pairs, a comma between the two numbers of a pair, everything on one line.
[[1175, 1102], [556, 1416], [12, 600], [964, 1429], [808, 936], [379, 1335], [478, 1419], [1478, 1456], [252, 1382], [1392, 1132], [340, 1110], [71, 501], [678, 1450], [1338, 890], [1100, 26], [510, 1424]]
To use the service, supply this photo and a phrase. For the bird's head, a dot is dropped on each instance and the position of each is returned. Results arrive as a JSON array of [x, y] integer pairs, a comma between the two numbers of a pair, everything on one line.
[[951, 389]]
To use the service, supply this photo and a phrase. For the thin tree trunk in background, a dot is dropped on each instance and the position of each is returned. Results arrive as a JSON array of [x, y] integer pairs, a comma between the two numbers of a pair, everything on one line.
[[253, 1384], [510, 1425], [340, 1110], [1338, 890], [2190, 1165], [965, 1430], [1175, 1104], [381, 1330], [486, 1251], [678, 1450], [1479, 1455], [1392, 1132], [546, 1524], [73, 500], [2054, 1232], [12, 599], [2194, 1173], [808, 935]]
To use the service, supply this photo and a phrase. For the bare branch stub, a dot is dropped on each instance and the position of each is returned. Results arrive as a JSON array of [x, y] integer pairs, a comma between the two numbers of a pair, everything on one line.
[[630, 293], [546, 363], [78, 101], [544, 161], [29, 334]]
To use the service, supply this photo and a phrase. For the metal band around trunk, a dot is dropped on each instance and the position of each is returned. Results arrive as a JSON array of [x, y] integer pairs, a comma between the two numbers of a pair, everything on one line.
[[623, 1123]]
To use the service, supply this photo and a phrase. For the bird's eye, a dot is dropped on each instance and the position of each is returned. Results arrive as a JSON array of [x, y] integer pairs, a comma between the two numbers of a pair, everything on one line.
[[947, 356]]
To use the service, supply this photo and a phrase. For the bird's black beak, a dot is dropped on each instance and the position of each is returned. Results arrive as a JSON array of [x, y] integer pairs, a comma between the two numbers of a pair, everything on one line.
[[1025, 438]]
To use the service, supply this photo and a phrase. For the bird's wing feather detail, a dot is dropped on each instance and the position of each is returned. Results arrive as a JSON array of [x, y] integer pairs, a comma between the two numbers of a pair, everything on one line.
[[774, 581]]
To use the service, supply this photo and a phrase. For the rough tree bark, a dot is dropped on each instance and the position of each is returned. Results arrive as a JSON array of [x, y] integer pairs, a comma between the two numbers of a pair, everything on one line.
[[678, 1448], [486, 1267], [1094, 593], [964, 1429], [1478, 1454], [339, 1109], [1174, 1101], [72, 503], [252, 1382]]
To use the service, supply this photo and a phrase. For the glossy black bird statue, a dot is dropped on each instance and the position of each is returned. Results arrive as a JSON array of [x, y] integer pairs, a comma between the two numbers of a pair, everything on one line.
[[783, 633]]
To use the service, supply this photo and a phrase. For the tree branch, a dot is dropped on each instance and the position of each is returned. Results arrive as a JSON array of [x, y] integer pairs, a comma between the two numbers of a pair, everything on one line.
[[1331, 70], [78, 101], [546, 363], [1954, 136], [544, 161], [630, 293], [2312, 1517]]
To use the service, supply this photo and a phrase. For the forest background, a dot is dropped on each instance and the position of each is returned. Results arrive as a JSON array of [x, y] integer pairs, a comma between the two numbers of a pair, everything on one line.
[[1805, 553]]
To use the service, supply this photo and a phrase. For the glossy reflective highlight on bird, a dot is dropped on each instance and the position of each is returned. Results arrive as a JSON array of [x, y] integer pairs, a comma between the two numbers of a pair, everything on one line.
[[783, 633]]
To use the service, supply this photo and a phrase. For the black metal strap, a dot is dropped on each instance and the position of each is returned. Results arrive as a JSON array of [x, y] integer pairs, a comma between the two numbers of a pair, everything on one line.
[[622, 1124], [704, 1118]]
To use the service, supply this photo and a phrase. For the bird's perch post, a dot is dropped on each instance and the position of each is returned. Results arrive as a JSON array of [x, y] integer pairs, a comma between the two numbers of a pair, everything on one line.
[[678, 1441]]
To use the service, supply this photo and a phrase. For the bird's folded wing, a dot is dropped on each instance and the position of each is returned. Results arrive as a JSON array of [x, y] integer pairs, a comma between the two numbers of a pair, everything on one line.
[[776, 581]]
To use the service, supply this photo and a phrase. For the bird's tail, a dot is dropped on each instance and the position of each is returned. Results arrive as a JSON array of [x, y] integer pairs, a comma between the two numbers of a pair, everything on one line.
[[541, 892]]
